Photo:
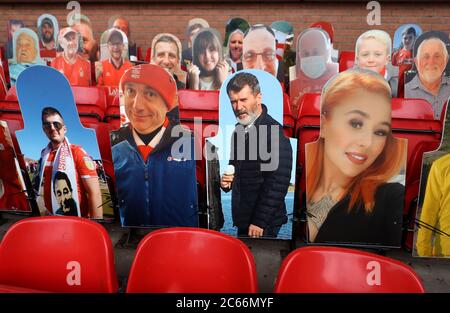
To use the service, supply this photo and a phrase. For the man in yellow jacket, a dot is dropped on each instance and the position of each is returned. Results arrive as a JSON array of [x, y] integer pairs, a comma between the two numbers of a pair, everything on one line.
[[436, 211]]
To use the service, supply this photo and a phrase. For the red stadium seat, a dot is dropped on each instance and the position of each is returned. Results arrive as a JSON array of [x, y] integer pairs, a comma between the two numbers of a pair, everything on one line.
[[58, 254], [91, 102], [148, 55], [3, 86], [200, 104], [139, 54], [326, 27], [340, 270], [102, 131], [288, 117], [11, 95], [112, 113], [4, 61], [182, 259], [346, 60]]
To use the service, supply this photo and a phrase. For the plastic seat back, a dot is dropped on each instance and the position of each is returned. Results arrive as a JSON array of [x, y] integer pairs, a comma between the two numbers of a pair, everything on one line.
[[200, 104], [58, 254], [346, 60], [288, 117], [90, 101], [330, 269], [191, 260]]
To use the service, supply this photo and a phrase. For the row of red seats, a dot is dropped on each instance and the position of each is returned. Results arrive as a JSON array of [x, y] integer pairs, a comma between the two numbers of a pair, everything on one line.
[[75, 255], [412, 119]]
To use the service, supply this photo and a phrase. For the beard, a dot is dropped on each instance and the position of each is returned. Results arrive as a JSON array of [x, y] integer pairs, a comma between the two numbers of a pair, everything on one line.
[[431, 76], [47, 38], [69, 207]]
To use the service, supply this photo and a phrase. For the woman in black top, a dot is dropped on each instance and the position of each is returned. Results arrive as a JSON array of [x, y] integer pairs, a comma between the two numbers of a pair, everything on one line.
[[349, 197]]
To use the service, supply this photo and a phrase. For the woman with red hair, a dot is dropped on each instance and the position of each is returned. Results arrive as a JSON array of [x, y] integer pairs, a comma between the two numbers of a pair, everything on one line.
[[351, 196]]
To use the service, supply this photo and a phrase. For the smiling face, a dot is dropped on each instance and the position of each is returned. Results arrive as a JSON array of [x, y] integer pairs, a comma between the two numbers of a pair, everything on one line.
[[355, 132], [26, 49], [144, 107], [236, 44], [372, 55], [47, 32], [166, 55], [70, 44], [115, 48], [54, 128], [87, 36], [246, 105], [431, 60], [259, 51], [209, 58]]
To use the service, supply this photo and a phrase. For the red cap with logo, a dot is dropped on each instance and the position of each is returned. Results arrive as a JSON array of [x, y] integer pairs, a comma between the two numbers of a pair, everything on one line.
[[155, 77]]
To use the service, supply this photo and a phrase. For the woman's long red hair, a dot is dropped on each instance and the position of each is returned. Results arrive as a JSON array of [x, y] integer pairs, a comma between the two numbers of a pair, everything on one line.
[[364, 186]]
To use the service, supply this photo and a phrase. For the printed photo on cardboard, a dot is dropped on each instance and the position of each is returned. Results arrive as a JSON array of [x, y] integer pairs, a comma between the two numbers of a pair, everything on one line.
[[429, 78], [76, 69], [82, 24], [314, 66], [259, 51], [122, 23], [432, 231], [355, 171], [25, 53], [12, 26], [66, 180], [233, 41], [404, 39], [13, 194], [208, 69], [153, 154], [113, 58], [193, 27], [257, 161], [373, 52], [166, 52], [47, 29]]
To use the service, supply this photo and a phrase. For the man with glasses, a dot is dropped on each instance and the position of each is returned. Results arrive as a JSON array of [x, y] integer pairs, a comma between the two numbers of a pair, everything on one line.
[[259, 51], [79, 168], [109, 72]]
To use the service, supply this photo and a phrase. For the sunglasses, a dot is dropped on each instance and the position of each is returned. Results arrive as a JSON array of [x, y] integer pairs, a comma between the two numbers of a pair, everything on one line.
[[56, 125]]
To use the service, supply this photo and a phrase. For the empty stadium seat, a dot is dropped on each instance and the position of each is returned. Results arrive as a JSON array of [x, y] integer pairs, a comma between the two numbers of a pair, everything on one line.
[[338, 270], [148, 55], [58, 254], [346, 60], [139, 54], [91, 102], [288, 117], [102, 131], [182, 259], [112, 113], [200, 104]]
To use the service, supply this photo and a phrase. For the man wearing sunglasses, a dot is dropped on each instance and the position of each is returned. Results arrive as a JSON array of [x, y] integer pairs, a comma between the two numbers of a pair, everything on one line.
[[73, 161]]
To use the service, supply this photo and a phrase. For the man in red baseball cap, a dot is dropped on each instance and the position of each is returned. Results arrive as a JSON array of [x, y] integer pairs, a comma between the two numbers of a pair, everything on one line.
[[153, 158]]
